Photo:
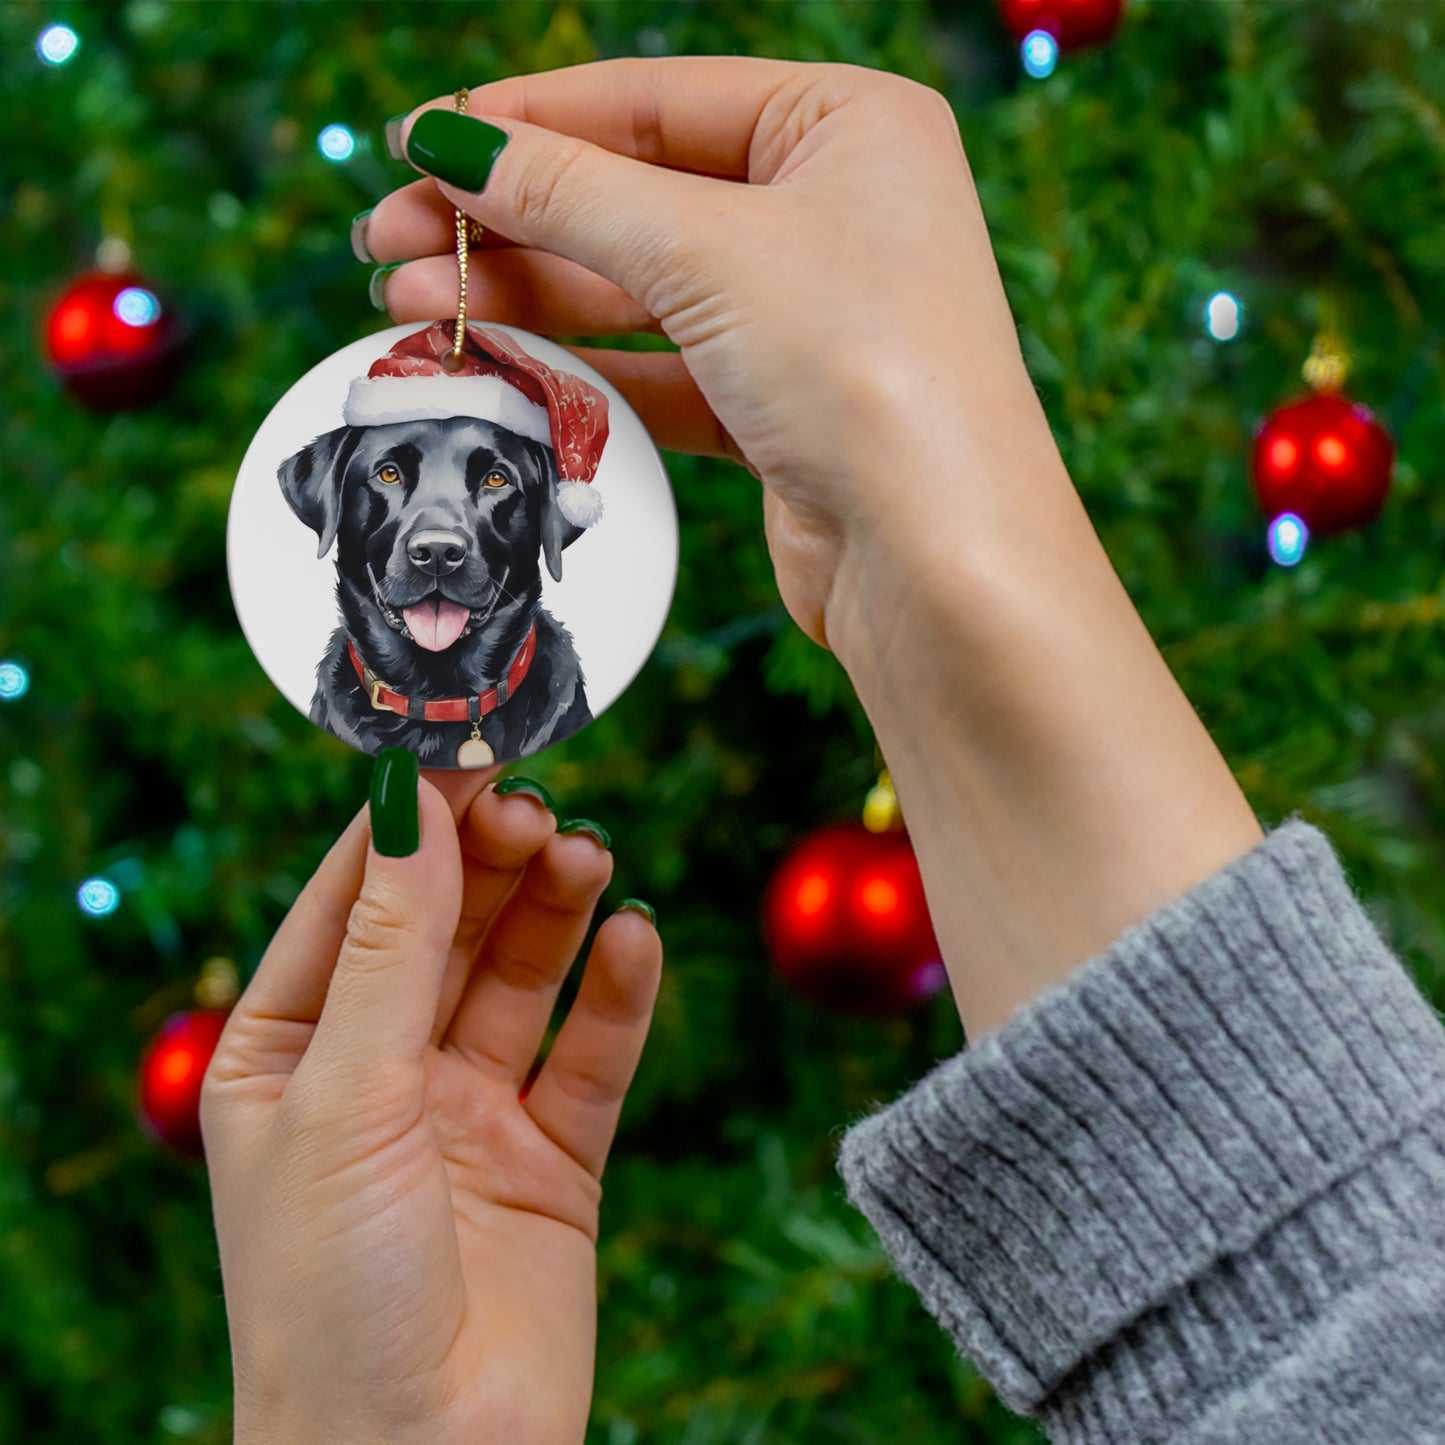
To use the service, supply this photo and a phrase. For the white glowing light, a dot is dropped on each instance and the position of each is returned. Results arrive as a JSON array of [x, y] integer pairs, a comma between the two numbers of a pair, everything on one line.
[[14, 681], [1223, 316], [1040, 53], [98, 897], [57, 44], [1288, 537], [336, 143], [137, 307]]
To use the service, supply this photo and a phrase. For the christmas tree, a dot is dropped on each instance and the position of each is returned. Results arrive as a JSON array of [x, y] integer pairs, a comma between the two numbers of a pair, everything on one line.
[[1212, 161]]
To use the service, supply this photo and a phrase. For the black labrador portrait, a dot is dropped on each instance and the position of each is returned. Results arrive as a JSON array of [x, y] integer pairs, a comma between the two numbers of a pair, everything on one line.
[[441, 528]]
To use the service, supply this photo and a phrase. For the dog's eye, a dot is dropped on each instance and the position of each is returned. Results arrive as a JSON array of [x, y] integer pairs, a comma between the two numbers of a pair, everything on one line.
[[388, 474], [495, 478]]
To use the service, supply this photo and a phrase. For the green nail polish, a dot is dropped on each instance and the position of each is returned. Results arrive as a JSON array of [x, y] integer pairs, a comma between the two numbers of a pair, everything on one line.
[[525, 785], [636, 905], [392, 133], [376, 287], [586, 825], [455, 148], [395, 812], [358, 236]]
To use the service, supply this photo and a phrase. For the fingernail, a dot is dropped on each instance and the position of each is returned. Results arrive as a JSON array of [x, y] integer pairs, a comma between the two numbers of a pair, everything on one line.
[[395, 812], [376, 287], [455, 148], [393, 136], [358, 236], [586, 825], [525, 785], [636, 905]]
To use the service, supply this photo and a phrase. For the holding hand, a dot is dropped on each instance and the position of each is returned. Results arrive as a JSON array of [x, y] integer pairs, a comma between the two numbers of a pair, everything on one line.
[[407, 1239], [808, 235]]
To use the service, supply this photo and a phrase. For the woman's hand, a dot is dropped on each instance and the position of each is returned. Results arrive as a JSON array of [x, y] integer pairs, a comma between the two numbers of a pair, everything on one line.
[[810, 237], [408, 1246], [842, 325]]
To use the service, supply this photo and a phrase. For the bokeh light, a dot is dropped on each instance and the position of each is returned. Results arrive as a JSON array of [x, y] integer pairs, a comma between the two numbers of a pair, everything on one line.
[[1040, 52], [14, 681], [336, 143], [57, 44], [1223, 316], [137, 307], [98, 897], [1288, 538]]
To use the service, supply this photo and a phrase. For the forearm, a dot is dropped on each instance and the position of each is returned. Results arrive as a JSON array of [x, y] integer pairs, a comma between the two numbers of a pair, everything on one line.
[[1056, 782]]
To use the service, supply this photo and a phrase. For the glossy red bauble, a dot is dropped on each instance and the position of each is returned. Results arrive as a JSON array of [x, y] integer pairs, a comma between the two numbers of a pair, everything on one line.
[[847, 923], [112, 341], [1324, 458], [1073, 23], [171, 1071]]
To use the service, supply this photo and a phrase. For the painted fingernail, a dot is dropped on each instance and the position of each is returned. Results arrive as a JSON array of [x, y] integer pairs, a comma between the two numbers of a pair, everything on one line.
[[393, 136], [586, 825], [531, 789], [636, 905], [455, 148], [395, 812], [376, 288], [359, 247]]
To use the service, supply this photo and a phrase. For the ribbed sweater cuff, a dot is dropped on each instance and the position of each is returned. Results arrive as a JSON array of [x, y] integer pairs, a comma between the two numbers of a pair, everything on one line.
[[1139, 1168]]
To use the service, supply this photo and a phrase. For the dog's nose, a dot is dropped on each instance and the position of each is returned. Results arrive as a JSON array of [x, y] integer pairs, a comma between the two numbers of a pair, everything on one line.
[[437, 552]]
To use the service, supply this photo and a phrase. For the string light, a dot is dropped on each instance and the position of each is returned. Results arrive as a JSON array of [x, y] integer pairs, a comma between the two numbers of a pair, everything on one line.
[[1040, 52], [336, 143], [1288, 538], [137, 307], [14, 681], [98, 897], [1223, 316], [57, 44]]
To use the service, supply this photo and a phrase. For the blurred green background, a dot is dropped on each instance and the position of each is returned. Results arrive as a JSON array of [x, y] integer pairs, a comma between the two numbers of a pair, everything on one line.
[[1287, 153]]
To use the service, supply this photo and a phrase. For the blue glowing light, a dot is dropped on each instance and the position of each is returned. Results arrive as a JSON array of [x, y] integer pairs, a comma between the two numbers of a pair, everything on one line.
[[1223, 316], [1288, 538], [336, 143], [137, 307], [14, 681], [1040, 53], [98, 897], [57, 44]]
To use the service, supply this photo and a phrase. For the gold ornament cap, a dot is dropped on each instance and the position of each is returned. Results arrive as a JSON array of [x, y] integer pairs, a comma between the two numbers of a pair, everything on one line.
[[881, 813], [219, 985]]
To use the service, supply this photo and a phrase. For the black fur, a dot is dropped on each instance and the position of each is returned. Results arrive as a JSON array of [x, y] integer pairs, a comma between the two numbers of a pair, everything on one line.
[[504, 533]]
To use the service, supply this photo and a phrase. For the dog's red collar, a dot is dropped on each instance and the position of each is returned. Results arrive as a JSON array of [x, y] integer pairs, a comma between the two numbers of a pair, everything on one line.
[[447, 709]]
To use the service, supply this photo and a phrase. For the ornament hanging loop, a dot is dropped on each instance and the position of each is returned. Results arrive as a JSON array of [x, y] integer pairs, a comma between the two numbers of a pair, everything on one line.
[[468, 232], [1328, 365]]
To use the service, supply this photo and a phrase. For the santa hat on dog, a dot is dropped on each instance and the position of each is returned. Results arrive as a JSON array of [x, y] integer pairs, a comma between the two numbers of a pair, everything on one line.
[[498, 382]]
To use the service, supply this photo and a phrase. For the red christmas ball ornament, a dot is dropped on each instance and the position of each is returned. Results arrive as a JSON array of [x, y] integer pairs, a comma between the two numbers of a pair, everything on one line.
[[847, 924], [1073, 23], [171, 1071], [1326, 459], [112, 341]]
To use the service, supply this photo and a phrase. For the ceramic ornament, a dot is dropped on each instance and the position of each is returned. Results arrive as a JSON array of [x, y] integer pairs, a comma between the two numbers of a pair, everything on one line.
[[466, 551]]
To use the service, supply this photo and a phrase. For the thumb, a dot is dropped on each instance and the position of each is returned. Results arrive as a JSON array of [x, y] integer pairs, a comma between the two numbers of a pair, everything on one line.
[[382, 999], [634, 224]]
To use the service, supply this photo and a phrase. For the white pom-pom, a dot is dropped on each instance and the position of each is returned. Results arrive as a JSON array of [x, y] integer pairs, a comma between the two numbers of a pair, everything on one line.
[[579, 502]]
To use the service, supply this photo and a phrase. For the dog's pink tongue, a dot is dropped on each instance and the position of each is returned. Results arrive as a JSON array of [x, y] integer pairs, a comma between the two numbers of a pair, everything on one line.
[[435, 623]]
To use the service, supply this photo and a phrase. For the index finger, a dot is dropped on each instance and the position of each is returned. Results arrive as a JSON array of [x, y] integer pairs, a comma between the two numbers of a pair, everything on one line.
[[695, 113]]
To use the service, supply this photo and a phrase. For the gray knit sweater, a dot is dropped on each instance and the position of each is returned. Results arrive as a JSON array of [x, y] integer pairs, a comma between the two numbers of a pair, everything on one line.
[[1196, 1192]]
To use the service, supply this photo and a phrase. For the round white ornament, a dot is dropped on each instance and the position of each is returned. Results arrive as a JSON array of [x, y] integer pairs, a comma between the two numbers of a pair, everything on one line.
[[466, 555]]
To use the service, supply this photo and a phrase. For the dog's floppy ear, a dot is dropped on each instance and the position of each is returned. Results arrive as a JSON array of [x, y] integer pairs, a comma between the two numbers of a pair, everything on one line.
[[557, 531], [311, 482]]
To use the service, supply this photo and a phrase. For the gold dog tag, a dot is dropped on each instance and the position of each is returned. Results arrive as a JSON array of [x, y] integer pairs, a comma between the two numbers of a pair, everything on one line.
[[474, 753]]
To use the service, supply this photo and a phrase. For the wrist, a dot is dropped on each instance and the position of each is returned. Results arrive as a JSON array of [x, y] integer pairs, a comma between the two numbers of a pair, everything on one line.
[[1057, 783]]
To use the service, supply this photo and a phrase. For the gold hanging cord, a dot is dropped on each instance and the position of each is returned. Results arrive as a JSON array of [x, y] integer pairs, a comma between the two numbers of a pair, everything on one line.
[[469, 233]]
